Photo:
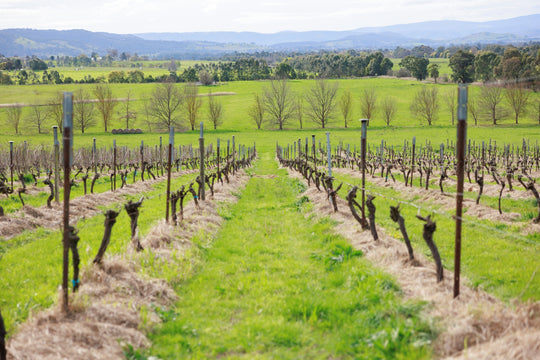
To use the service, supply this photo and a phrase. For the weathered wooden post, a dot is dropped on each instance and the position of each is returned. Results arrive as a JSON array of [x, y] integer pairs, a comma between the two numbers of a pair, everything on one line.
[[142, 160], [68, 141], [161, 154], [56, 165], [201, 148], [363, 155], [461, 141], [329, 153], [94, 165], [412, 159], [11, 162], [114, 165], [313, 152], [169, 164]]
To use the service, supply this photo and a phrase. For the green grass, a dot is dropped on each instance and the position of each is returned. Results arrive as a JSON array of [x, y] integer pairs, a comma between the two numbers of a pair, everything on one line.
[[236, 106], [495, 257], [30, 263], [277, 283]]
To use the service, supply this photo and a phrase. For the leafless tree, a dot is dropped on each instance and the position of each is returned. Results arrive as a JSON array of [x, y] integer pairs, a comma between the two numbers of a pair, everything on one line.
[[147, 112], [127, 111], [56, 109], [389, 108], [39, 114], [345, 106], [490, 102], [278, 101], [256, 110], [518, 99], [192, 103], [165, 105], [426, 103], [215, 111], [450, 98], [83, 110], [14, 115], [299, 109], [105, 103], [321, 100], [368, 103], [472, 106]]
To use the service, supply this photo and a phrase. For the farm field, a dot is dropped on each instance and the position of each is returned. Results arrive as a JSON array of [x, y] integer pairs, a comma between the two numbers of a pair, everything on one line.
[[274, 276], [235, 105]]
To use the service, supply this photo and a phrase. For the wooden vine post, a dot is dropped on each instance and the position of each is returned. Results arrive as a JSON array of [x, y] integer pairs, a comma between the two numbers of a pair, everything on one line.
[[412, 159], [169, 164], [11, 162], [3, 332], [114, 165], [68, 141], [201, 149], [363, 154], [56, 164], [461, 141]]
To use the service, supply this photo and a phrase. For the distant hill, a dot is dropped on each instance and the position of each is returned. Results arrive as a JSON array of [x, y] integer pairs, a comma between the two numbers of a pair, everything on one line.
[[439, 32], [22, 42], [197, 45]]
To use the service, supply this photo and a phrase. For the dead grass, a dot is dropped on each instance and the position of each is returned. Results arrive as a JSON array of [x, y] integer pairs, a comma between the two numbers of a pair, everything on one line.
[[105, 314], [474, 323]]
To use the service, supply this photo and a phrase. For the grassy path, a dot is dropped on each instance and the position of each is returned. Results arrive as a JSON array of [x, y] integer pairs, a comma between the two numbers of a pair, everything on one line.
[[277, 283]]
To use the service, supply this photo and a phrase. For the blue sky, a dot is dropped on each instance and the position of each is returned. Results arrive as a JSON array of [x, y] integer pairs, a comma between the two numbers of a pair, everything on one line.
[[267, 16]]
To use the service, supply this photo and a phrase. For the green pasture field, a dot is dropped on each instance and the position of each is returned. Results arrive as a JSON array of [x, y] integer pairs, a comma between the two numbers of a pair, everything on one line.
[[236, 106]]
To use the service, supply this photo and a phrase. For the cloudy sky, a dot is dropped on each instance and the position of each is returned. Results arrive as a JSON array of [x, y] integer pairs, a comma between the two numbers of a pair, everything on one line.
[[268, 16]]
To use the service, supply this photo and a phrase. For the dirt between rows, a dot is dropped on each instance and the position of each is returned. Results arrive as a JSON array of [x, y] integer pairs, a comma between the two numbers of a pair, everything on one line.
[[29, 217], [105, 315], [476, 325], [448, 201]]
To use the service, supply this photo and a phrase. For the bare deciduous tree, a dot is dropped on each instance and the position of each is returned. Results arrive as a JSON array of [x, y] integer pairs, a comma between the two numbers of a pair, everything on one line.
[[127, 111], [518, 99], [83, 110], [321, 99], [192, 103], [278, 101], [368, 103], [472, 105], [345, 106], [450, 98], [490, 100], [299, 110], [39, 114], [205, 78], [256, 110], [215, 111], [105, 103], [165, 105], [14, 115], [57, 112], [389, 108], [426, 104]]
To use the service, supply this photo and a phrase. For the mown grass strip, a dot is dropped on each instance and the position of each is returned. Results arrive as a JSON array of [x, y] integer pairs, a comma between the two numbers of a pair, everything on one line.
[[278, 283]]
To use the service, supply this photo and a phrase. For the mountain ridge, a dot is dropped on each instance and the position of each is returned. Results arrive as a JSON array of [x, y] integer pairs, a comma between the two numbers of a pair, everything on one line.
[[197, 45]]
